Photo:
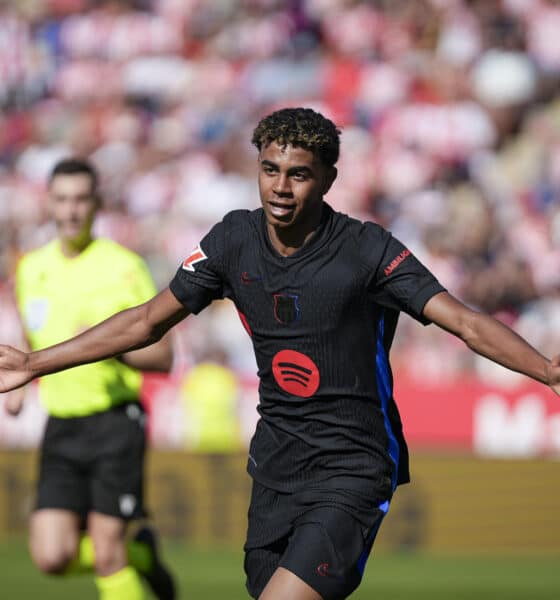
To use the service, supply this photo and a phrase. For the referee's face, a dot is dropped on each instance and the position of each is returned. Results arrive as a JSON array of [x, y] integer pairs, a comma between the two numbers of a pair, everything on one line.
[[73, 204], [292, 183]]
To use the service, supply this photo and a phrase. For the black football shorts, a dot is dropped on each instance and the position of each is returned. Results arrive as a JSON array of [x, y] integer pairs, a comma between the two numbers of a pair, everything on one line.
[[326, 546], [94, 463]]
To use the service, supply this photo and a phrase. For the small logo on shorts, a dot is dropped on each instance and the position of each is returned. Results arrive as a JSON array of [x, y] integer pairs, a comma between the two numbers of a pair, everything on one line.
[[127, 504], [323, 569]]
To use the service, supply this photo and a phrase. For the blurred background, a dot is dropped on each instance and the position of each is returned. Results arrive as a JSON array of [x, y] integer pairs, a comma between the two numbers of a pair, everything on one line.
[[450, 118]]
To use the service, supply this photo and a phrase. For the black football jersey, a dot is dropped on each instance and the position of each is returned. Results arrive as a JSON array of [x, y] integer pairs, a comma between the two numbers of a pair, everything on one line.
[[322, 322]]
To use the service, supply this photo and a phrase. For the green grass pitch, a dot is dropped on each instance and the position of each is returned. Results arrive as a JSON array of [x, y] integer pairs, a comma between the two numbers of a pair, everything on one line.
[[217, 573]]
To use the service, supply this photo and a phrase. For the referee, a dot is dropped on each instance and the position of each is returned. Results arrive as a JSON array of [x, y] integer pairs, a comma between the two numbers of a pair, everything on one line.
[[92, 454]]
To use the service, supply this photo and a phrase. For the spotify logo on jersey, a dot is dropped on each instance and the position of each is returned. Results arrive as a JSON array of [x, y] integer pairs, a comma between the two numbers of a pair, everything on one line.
[[295, 373]]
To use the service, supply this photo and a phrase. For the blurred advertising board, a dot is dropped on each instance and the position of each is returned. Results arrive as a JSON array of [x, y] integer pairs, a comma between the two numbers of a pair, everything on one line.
[[465, 415], [456, 502], [469, 415]]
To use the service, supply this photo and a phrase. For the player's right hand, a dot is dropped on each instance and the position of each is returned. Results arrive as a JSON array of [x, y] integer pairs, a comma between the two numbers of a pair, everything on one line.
[[13, 368]]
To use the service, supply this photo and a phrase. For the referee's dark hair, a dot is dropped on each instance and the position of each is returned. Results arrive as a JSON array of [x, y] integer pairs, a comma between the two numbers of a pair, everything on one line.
[[76, 166], [303, 128]]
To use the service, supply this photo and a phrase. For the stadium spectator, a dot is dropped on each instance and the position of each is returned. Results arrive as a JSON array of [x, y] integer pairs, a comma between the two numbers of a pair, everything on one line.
[[210, 393]]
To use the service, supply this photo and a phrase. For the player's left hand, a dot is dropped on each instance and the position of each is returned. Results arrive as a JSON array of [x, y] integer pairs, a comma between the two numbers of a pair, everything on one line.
[[553, 373]]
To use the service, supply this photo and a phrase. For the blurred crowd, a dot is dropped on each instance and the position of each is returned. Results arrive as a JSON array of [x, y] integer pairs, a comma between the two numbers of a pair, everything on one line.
[[450, 118]]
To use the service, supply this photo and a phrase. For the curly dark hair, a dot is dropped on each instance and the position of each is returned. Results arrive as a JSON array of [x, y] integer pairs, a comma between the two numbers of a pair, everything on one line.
[[301, 127]]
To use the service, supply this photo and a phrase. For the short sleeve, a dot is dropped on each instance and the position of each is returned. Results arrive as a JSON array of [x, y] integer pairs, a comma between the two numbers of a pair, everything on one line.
[[199, 279], [398, 280]]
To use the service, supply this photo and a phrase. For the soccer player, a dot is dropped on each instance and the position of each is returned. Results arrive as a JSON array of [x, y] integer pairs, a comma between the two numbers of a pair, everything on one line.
[[92, 454], [320, 294]]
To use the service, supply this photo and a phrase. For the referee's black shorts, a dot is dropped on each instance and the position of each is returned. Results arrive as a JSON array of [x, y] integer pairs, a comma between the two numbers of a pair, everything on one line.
[[323, 544], [94, 463]]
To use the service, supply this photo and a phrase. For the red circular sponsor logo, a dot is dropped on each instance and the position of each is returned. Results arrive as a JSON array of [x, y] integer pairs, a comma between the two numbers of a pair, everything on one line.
[[295, 373], [323, 569]]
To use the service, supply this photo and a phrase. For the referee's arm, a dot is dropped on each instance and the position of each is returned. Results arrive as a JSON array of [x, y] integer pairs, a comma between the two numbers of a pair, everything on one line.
[[124, 332], [492, 339]]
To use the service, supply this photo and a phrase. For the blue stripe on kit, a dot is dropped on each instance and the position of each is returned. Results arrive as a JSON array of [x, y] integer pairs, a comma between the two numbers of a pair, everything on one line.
[[384, 508], [385, 392]]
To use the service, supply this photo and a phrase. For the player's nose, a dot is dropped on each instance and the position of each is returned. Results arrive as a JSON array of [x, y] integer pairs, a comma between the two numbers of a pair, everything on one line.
[[281, 185]]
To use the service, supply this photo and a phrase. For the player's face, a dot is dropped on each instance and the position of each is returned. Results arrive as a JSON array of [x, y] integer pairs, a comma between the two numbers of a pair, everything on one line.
[[73, 204], [292, 183]]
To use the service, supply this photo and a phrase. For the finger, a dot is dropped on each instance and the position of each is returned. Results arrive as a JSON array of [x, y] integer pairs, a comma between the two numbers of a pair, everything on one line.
[[14, 404], [10, 409], [555, 362]]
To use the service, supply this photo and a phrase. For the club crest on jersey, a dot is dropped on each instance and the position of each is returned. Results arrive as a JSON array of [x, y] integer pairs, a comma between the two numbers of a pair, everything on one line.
[[196, 256], [286, 308]]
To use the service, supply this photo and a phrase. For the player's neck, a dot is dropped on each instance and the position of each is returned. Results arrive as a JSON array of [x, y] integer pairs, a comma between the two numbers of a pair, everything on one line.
[[71, 248], [288, 240]]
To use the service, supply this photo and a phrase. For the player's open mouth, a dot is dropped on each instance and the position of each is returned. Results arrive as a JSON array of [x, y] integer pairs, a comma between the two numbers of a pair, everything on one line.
[[281, 210]]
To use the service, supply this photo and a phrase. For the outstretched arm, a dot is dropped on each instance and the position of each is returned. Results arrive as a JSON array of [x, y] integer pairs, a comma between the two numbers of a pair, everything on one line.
[[490, 338], [128, 330], [156, 357]]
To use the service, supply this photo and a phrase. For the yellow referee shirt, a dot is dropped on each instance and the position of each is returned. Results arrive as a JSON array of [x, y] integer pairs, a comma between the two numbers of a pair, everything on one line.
[[59, 297]]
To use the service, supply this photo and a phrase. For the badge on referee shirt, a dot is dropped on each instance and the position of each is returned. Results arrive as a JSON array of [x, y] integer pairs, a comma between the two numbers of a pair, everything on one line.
[[36, 312]]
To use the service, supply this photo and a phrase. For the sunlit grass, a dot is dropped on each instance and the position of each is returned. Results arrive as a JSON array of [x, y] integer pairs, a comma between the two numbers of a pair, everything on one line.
[[208, 574]]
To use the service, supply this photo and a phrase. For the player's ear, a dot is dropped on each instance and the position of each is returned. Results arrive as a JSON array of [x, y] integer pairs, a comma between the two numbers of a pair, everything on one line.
[[331, 175]]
